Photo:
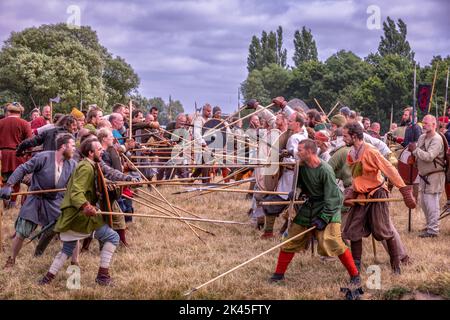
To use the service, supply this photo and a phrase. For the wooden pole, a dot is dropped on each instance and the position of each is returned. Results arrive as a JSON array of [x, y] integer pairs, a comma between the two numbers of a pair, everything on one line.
[[130, 126], [171, 218], [432, 88], [243, 191], [374, 247], [51, 111], [162, 197], [318, 104], [154, 197], [446, 92], [274, 203], [25, 193], [155, 207], [231, 165], [250, 260], [332, 109]]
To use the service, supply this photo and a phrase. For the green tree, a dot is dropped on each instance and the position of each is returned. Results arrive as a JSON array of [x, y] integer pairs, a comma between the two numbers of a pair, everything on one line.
[[254, 59], [265, 84], [304, 47], [394, 41], [267, 50], [37, 64]]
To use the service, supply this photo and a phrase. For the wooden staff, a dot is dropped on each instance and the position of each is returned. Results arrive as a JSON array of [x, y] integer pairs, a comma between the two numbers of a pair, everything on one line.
[[332, 109], [25, 193], [432, 88], [245, 191], [274, 203], [105, 191], [209, 190], [318, 104], [250, 260], [172, 218], [154, 197], [446, 92], [130, 125], [231, 165], [155, 207], [374, 247], [163, 198]]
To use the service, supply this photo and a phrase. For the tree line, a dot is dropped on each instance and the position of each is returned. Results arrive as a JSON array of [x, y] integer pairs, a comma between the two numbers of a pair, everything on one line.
[[371, 85], [44, 62]]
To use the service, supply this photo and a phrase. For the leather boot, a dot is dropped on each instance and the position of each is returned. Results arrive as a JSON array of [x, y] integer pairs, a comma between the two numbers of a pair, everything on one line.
[[103, 277], [47, 279], [394, 255], [44, 241]]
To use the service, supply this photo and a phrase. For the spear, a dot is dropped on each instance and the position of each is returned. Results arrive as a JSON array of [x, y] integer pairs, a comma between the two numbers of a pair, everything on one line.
[[250, 260], [162, 197], [274, 203], [171, 218], [318, 104], [131, 119], [446, 92], [332, 109], [242, 191], [432, 88], [155, 207]]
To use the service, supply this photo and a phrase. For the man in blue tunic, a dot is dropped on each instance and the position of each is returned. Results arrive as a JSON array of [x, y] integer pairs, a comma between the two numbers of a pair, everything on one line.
[[51, 170]]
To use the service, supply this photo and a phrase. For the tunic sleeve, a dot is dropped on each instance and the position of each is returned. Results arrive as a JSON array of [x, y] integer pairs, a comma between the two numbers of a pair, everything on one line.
[[32, 165], [386, 168]]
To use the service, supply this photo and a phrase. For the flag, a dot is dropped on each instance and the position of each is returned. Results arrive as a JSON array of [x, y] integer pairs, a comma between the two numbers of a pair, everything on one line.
[[55, 100], [424, 96]]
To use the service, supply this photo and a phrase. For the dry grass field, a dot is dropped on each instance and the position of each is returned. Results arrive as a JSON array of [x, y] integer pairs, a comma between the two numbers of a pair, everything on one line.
[[166, 259]]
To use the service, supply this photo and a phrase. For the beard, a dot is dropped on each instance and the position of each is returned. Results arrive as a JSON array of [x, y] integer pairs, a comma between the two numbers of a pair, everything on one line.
[[67, 154], [97, 158], [349, 144]]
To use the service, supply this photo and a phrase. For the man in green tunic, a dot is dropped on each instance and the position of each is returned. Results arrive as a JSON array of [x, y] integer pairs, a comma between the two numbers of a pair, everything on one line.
[[322, 210], [79, 218]]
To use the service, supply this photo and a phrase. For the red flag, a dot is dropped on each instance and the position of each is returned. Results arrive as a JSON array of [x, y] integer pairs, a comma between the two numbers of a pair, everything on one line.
[[423, 97]]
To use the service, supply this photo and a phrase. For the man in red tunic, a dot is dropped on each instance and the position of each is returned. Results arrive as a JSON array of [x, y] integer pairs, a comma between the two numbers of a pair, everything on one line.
[[13, 130], [42, 120]]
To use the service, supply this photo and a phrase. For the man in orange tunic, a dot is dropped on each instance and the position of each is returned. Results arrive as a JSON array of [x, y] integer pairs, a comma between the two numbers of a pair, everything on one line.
[[368, 165]]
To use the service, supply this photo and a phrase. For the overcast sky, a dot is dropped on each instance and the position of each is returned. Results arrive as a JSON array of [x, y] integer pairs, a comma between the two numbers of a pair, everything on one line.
[[197, 50]]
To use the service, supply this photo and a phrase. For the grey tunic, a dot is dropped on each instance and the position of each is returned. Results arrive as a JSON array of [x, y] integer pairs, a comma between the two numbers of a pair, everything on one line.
[[43, 208]]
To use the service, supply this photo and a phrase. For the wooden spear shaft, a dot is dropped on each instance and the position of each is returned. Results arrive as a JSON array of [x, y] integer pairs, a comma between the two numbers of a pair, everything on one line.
[[24, 193], [155, 207], [163, 198], [250, 260], [274, 203], [154, 197], [130, 125], [318, 104], [332, 109], [432, 87], [209, 190], [172, 218], [245, 191], [231, 165]]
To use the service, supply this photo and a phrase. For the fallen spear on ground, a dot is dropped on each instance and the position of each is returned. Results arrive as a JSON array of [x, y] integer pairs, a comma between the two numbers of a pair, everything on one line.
[[248, 261]]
